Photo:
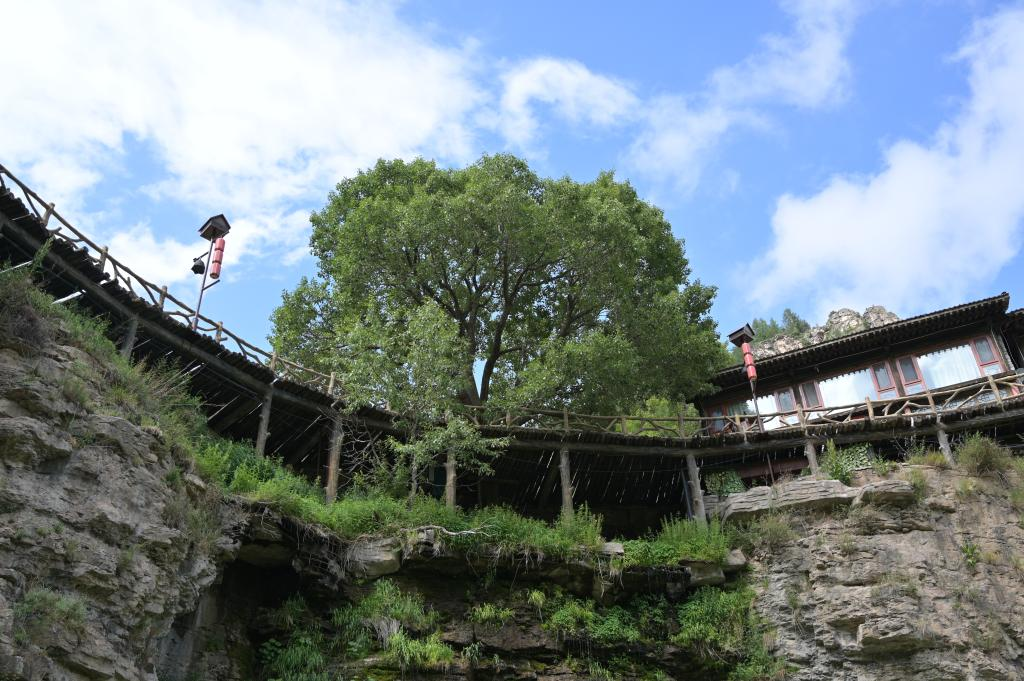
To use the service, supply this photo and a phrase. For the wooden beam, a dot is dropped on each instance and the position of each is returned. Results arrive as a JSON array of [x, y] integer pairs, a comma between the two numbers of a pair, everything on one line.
[[693, 474], [128, 343], [449, 480], [334, 459], [264, 431], [944, 447], [811, 452], [566, 476]]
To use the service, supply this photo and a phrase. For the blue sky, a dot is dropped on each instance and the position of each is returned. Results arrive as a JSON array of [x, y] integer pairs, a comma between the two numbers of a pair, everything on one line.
[[812, 154]]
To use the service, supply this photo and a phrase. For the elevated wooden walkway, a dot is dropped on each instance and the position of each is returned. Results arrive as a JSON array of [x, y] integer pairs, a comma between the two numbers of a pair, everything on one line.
[[296, 413]]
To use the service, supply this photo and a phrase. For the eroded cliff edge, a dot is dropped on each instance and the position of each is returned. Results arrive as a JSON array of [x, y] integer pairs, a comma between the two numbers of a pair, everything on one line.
[[118, 561]]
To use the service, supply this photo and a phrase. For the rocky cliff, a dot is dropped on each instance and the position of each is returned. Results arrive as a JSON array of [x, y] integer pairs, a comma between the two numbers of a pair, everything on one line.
[[117, 561], [841, 322]]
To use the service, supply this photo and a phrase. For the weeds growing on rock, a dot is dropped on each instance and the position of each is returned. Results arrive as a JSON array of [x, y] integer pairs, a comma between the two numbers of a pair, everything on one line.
[[41, 609], [679, 540], [979, 455], [839, 463], [929, 457]]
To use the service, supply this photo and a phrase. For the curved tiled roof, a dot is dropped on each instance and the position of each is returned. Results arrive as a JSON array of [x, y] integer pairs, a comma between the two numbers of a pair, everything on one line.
[[894, 332]]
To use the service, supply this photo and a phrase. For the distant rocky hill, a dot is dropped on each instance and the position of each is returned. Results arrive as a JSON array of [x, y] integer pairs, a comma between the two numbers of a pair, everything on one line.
[[841, 322]]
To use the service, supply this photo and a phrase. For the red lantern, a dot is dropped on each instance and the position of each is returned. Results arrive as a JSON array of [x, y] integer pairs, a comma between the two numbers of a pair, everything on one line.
[[218, 258], [748, 361]]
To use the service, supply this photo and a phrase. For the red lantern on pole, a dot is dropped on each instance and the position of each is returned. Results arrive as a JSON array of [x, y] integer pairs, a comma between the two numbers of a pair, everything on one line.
[[741, 338], [218, 258]]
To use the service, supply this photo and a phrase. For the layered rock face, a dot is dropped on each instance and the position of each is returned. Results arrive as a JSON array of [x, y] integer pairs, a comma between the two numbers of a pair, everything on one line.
[[893, 587], [98, 550], [841, 322]]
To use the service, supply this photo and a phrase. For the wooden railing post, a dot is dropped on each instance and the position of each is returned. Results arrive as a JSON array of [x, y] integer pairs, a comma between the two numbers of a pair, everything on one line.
[[273, 361], [565, 476], [931, 402], [698, 512], [508, 418], [163, 297], [801, 419], [624, 425], [330, 385], [334, 458], [871, 409], [103, 258], [220, 332], [46, 216]]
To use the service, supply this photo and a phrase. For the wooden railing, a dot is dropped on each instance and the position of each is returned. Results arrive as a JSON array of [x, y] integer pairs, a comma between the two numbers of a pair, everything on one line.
[[987, 390], [159, 297]]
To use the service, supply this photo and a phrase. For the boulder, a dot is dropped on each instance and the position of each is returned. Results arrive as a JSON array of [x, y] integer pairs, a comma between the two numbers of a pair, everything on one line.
[[374, 558], [703, 573], [801, 494], [885, 492], [734, 562]]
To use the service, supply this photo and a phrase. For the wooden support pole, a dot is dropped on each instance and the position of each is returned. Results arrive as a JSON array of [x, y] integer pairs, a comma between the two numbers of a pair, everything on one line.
[[995, 392], [811, 452], [449, 480], [566, 477], [128, 343], [944, 447], [264, 431], [163, 297], [334, 458], [695, 492]]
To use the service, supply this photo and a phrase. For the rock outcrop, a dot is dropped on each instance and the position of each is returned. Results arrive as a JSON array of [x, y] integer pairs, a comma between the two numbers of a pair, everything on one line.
[[899, 587], [841, 322]]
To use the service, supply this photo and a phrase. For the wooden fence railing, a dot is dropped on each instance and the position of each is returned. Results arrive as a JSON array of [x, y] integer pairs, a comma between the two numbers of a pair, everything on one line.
[[158, 296], [987, 390]]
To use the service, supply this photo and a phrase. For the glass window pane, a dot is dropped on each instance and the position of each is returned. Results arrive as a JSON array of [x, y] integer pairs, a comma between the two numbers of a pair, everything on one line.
[[887, 394], [810, 395], [914, 388], [992, 369], [984, 348], [852, 388], [882, 376], [908, 370], [785, 399], [949, 366]]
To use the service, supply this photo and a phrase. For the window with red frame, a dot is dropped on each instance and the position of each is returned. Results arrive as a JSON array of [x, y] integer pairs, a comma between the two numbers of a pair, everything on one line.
[[910, 375], [784, 400], [884, 385], [985, 353], [809, 394]]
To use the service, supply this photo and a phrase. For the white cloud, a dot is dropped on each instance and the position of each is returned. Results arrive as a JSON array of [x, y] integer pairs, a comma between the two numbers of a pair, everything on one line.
[[247, 107], [807, 68], [936, 221], [573, 92]]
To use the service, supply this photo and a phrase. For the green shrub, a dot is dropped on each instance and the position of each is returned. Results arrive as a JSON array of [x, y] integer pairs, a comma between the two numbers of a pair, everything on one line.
[[971, 553], [722, 629], [724, 483], [768, 532], [419, 654], [838, 463], [678, 540], [928, 457], [488, 614], [979, 455], [41, 609]]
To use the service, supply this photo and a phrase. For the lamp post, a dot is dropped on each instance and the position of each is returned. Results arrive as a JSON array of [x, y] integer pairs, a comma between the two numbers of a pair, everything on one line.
[[742, 338], [213, 230]]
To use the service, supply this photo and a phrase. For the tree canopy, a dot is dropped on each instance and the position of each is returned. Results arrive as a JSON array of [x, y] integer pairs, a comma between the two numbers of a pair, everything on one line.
[[539, 291]]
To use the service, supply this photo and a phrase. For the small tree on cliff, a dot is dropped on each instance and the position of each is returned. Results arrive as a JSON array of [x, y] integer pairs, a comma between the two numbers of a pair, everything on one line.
[[559, 291], [539, 291]]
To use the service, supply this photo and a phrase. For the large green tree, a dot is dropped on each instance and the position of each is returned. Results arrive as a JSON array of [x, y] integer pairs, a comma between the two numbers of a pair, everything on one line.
[[557, 292]]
